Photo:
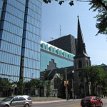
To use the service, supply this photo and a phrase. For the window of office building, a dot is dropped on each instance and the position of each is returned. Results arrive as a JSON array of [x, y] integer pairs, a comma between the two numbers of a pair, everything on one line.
[[61, 62], [55, 56], [32, 42], [20, 39], [1, 4]]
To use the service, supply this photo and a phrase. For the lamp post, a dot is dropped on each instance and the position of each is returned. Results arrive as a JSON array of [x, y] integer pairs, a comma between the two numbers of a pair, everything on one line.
[[72, 85]]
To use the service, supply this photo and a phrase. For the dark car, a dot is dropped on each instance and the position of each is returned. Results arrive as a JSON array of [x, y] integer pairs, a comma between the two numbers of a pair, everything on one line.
[[16, 101], [91, 101]]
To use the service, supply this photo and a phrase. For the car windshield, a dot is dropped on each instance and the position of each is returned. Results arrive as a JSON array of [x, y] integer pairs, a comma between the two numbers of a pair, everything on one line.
[[7, 99]]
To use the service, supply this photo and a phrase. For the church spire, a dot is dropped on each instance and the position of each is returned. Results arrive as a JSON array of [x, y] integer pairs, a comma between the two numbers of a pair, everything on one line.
[[81, 58], [81, 51], [79, 32]]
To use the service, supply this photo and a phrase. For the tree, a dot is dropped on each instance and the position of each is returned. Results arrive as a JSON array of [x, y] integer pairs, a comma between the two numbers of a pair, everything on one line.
[[5, 85], [97, 76], [20, 86], [31, 86], [101, 7], [96, 5]]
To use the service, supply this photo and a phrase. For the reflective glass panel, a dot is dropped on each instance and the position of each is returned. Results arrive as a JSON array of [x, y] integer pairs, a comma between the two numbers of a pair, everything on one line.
[[1, 3], [60, 62]]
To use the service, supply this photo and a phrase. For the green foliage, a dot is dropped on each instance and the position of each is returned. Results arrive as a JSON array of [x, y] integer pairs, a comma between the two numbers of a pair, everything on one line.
[[20, 86], [47, 85], [4, 84], [101, 7], [32, 83], [98, 78], [60, 2], [96, 74]]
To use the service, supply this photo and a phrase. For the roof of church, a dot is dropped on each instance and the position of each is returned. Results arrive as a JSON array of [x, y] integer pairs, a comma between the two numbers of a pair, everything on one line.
[[49, 74], [80, 45]]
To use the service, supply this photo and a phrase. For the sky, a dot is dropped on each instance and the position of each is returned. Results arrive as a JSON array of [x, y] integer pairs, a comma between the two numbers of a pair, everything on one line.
[[60, 20]]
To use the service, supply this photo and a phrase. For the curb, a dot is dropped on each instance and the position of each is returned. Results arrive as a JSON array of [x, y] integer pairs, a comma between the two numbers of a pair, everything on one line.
[[54, 101], [42, 102]]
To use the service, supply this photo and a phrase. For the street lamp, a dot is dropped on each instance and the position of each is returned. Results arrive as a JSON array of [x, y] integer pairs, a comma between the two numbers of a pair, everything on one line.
[[72, 85]]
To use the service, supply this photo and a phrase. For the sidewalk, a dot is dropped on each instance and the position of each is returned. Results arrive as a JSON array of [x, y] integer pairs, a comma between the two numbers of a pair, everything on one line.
[[46, 99], [38, 100]]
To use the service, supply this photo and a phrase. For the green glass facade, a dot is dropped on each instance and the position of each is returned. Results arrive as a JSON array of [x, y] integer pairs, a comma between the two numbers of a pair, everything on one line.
[[61, 58], [20, 33]]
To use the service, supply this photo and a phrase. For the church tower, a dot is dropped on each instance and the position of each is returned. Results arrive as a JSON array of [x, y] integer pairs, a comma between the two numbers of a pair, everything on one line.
[[81, 58]]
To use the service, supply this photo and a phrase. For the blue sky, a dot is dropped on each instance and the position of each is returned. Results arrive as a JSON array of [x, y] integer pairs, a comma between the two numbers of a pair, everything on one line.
[[54, 16]]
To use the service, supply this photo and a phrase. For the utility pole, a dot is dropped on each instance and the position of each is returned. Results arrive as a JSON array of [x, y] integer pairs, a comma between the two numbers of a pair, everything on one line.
[[85, 86], [66, 84], [72, 85], [89, 85]]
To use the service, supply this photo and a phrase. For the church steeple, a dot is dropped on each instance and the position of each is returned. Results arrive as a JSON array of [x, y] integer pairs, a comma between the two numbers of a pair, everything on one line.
[[80, 49], [81, 58]]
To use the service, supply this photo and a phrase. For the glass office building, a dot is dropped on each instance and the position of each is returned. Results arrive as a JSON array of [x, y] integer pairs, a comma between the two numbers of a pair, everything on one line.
[[20, 33], [54, 56]]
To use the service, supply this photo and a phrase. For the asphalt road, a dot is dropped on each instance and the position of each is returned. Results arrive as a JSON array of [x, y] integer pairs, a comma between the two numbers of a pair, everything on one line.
[[104, 102], [75, 103]]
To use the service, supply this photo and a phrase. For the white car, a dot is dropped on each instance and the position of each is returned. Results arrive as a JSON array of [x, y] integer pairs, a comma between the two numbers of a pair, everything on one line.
[[17, 101]]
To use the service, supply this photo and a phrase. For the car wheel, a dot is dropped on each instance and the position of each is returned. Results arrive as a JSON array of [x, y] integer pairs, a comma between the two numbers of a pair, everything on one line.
[[26, 105], [94, 105], [101, 105], [6, 106]]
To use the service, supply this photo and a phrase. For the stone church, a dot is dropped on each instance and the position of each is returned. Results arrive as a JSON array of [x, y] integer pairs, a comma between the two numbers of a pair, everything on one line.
[[81, 60]]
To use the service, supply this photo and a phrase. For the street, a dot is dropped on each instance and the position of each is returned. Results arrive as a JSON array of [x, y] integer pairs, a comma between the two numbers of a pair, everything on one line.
[[59, 104], [104, 102], [75, 103]]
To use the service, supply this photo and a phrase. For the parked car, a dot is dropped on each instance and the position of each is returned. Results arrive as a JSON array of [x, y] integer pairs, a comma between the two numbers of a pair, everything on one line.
[[91, 101], [16, 101]]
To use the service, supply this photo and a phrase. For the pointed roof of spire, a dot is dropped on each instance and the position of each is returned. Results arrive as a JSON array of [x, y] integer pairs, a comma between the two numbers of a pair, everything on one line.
[[79, 31], [81, 51]]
